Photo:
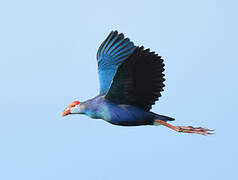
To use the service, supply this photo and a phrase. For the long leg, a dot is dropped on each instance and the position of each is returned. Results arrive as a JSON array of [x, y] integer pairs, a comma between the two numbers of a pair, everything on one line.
[[186, 129]]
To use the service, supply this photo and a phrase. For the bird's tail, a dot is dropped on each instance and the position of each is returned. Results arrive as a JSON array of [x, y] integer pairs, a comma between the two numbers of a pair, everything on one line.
[[163, 118]]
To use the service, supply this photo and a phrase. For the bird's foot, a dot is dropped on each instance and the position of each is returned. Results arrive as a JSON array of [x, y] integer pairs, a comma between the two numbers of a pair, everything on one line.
[[195, 130], [187, 129]]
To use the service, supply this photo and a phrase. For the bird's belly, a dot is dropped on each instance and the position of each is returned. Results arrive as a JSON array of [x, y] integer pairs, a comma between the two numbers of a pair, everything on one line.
[[127, 116]]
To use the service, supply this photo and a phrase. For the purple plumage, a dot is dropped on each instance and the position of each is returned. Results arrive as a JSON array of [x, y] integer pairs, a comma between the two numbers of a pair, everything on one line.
[[131, 80], [118, 114]]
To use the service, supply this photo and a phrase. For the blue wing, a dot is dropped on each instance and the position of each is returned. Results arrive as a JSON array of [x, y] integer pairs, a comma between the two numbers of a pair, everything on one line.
[[112, 52]]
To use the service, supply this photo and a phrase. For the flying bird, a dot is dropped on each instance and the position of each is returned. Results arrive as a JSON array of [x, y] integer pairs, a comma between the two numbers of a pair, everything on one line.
[[131, 80]]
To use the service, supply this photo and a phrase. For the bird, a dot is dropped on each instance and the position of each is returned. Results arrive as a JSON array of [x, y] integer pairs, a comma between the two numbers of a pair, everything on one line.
[[131, 81]]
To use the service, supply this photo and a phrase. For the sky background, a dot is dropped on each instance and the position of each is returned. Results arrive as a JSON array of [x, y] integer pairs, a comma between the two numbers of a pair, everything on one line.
[[47, 60]]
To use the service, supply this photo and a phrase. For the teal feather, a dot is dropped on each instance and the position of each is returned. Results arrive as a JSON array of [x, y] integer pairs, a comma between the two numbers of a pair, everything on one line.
[[114, 50]]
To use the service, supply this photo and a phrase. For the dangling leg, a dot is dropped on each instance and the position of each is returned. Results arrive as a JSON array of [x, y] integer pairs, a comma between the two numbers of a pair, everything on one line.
[[186, 129]]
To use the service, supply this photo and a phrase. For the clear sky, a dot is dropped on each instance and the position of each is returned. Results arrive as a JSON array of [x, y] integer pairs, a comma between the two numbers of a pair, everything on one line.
[[47, 60]]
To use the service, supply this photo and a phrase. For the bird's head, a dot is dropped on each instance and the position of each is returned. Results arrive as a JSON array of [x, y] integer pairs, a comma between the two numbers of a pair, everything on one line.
[[73, 108]]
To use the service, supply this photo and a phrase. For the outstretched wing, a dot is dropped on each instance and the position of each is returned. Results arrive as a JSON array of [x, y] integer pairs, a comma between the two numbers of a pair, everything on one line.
[[138, 80], [112, 52]]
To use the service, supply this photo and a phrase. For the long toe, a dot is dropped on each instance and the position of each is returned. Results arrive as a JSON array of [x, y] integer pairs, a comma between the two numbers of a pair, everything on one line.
[[195, 130]]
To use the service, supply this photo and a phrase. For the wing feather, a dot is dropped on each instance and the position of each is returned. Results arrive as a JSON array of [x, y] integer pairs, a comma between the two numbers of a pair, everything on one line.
[[138, 80], [112, 52]]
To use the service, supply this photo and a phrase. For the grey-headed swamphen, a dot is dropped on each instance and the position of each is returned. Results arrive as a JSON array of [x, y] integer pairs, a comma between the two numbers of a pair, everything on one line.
[[131, 80]]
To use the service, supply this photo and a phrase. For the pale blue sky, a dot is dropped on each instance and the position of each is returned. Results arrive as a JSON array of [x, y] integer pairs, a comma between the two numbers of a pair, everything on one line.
[[47, 60]]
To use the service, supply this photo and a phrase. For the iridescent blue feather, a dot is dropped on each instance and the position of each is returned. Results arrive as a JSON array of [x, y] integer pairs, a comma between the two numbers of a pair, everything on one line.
[[112, 52]]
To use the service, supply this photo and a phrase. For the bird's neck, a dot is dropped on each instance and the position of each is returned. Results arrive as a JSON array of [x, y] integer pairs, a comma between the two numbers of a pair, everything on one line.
[[92, 107]]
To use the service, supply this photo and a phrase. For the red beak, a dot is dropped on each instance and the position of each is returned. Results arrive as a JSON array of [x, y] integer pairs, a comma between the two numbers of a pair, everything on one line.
[[66, 112]]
